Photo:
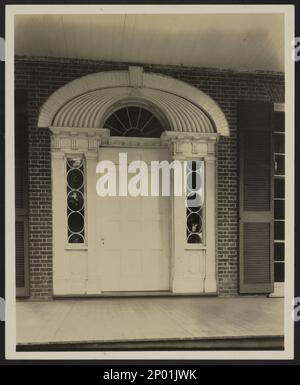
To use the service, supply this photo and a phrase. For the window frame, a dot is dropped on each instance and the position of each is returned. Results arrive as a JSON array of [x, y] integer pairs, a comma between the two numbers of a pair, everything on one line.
[[279, 108], [83, 245], [202, 244]]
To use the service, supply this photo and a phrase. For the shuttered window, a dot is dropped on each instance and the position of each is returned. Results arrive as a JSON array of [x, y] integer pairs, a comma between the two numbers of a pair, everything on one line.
[[279, 196], [257, 183], [21, 235], [256, 197], [256, 246], [21, 193]]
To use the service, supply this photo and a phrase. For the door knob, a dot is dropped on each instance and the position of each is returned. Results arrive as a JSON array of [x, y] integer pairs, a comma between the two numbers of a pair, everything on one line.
[[102, 241]]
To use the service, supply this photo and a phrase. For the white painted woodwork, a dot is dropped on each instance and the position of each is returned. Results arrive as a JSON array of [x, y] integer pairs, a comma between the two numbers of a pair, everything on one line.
[[210, 282], [93, 283], [194, 265], [193, 40], [133, 232], [74, 264], [278, 290], [180, 106], [132, 243], [95, 106], [60, 276]]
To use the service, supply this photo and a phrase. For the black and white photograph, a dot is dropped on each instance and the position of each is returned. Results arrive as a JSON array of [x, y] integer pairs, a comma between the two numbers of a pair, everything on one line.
[[149, 181]]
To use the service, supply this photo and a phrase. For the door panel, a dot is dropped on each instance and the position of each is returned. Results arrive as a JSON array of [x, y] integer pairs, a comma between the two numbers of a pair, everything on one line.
[[134, 234]]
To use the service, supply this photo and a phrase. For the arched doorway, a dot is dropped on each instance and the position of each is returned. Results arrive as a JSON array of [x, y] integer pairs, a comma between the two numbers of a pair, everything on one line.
[[140, 243]]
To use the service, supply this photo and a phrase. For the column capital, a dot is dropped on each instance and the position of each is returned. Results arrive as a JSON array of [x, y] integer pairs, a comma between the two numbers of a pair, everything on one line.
[[189, 145], [57, 154], [210, 159]]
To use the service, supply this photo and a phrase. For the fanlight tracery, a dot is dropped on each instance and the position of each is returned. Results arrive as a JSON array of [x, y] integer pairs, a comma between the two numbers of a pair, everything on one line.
[[134, 121], [75, 200]]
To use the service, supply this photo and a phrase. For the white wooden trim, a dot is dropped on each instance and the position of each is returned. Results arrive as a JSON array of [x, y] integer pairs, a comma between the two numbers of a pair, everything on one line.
[[202, 108], [193, 267], [210, 225], [278, 290]]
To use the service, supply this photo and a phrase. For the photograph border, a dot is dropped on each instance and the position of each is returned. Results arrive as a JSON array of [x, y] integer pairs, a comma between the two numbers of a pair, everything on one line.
[[10, 324]]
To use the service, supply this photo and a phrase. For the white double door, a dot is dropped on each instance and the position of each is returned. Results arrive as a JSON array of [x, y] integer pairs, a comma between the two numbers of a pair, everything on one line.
[[133, 232]]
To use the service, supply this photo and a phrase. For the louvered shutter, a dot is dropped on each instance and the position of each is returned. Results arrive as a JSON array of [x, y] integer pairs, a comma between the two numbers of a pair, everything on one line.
[[255, 127], [21, 187], [21, 252]]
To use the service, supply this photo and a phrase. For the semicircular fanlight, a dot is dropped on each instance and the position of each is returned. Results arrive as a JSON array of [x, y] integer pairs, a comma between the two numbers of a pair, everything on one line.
[[134, 122]]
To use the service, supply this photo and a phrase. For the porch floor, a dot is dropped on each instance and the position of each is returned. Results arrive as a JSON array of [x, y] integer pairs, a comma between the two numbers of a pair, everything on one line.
[[162, 320]]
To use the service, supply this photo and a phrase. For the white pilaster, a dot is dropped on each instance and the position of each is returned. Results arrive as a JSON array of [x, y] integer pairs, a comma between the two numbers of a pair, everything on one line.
[[59, 222], [210, 283], [75, 266], [93, 284], [193, 265]]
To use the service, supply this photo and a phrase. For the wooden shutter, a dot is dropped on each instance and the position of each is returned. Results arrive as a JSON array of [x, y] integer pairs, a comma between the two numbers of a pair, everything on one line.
[[21, 193], [256, 197]]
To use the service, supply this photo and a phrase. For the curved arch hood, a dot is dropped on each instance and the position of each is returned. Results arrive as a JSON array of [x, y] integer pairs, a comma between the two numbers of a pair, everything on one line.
[[86, 102]]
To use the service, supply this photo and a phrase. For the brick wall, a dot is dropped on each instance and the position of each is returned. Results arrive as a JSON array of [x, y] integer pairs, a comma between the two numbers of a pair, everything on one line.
[[42, 76]]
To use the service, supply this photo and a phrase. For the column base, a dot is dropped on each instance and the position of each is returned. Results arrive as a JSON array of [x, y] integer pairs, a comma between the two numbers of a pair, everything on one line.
[[210, 285], [93, 286], [188, 285]]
